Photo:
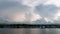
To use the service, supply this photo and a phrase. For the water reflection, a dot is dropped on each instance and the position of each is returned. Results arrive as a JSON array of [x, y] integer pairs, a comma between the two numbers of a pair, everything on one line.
[[29, 31]]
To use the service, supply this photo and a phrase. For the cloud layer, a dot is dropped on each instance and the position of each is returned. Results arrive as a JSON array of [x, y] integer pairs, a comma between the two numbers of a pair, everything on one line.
[[29, 10]]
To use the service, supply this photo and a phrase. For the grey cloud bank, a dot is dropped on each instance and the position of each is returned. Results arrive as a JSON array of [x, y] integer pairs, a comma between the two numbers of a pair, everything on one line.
[[48, 11]]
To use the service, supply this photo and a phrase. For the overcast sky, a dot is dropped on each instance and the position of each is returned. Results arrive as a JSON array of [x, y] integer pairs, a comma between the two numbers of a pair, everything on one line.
[[29, 10]]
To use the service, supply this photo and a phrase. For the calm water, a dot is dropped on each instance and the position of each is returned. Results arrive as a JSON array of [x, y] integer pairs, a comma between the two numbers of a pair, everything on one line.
[[29, 31]]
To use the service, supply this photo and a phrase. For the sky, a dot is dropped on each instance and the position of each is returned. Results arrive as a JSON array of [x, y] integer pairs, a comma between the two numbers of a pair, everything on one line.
[[29, 10]]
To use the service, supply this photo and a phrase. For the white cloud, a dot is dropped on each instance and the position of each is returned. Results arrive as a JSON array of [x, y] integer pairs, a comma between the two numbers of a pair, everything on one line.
[[54, 2], [32, 2], [57, 15], [38, 2], [35, 17]]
